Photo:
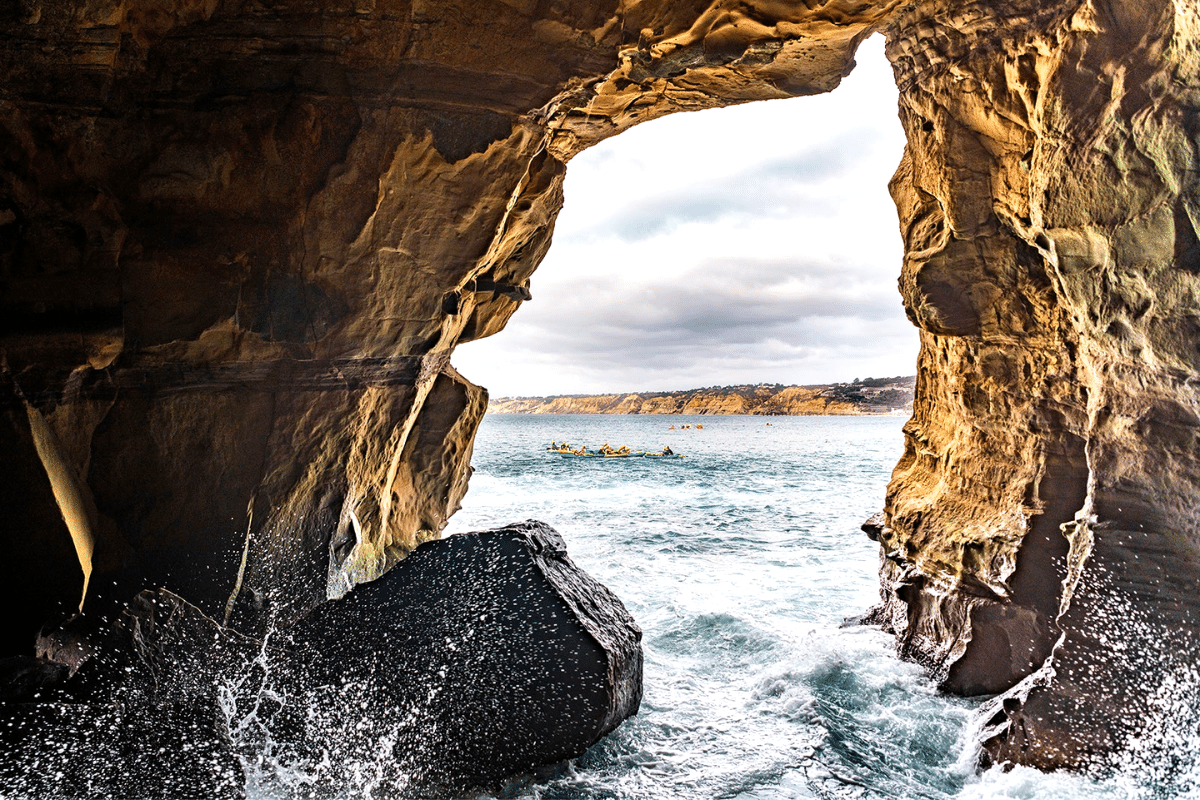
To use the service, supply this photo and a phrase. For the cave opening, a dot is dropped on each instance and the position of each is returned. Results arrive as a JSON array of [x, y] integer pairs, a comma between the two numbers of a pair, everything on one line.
[[239, 244], [749, 246]]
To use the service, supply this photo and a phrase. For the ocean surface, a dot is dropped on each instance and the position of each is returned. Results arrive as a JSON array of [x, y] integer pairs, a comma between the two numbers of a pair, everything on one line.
[[741, 562]]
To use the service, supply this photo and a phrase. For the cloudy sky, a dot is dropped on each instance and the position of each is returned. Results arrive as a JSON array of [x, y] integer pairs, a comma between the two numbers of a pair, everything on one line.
[[754, 244]]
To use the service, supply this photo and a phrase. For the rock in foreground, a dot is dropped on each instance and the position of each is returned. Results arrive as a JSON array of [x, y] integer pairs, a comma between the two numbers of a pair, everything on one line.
[[478, 657], [128, 708]]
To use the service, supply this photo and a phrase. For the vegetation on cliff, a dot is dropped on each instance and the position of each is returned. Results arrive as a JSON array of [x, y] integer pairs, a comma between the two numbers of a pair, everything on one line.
[[868, 396]]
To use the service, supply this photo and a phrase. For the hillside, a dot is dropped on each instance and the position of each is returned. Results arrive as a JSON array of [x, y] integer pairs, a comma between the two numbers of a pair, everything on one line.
[[869, 396]]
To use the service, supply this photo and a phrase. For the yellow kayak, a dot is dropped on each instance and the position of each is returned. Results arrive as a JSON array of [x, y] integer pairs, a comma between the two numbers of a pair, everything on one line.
[[636, 454]]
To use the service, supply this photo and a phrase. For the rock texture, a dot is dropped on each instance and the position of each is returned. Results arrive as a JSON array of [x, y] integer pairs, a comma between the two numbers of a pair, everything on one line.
[[127, 709], [1042, 522], [239, 241], [419, 684], [870, 396], [461, 682]]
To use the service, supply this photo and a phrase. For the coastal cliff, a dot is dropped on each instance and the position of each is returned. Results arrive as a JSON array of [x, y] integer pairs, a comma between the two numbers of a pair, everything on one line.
[[239, 243], [869, 396]]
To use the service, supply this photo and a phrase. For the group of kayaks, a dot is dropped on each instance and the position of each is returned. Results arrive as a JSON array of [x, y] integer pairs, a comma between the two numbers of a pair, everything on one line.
[[604, 451]]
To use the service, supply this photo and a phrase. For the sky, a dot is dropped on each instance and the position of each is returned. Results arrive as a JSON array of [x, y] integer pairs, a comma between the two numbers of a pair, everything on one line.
[[742, 245]]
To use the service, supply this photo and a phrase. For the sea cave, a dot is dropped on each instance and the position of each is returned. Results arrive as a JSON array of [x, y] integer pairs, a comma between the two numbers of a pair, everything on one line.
[[239, 243]]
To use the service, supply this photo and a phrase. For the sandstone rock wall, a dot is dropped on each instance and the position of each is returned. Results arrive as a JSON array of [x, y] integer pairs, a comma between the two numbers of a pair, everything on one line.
[[239, 242], [1042, 522]]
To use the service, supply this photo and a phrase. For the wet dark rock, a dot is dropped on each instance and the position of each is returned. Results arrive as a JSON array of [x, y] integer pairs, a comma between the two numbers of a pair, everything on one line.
[[478, 657], [23, 678], [128, 708], [159, 649], [91, 750]]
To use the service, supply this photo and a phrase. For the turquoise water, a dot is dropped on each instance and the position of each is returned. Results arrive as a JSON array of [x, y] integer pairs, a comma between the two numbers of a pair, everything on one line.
[[741, 563]]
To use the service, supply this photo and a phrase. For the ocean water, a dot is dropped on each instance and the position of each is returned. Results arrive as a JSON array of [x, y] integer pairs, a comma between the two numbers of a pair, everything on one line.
[[741, 562]]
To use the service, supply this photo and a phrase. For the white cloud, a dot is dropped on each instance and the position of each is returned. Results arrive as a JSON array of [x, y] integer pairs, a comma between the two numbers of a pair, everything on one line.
[[748, 244]]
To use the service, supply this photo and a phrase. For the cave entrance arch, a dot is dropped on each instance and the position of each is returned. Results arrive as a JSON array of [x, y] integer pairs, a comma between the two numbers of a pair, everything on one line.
[[722, 293], [743, 245], [234, 273], [1034, 262]]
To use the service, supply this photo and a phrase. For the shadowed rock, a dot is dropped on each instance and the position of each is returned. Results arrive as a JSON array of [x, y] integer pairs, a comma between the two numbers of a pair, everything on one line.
[[128, 709], [478, 657]]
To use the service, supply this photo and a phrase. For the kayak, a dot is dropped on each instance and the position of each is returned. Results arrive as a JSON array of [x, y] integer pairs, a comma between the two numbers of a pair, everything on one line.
[[599, 455], [635, 454]]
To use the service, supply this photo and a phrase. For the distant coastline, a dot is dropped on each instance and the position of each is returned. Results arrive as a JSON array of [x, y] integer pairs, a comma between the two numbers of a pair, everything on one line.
[[870, 396]]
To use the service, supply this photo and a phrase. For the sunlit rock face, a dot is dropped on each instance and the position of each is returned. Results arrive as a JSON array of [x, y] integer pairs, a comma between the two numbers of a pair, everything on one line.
[[239, 242], [1042, 523]]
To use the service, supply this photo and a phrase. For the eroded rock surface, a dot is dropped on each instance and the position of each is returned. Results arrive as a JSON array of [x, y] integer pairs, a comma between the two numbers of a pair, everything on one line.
[[1043, 520], [238, 243]]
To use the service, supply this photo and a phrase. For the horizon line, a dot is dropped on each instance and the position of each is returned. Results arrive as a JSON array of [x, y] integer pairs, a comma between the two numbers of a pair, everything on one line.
[[856, 381]]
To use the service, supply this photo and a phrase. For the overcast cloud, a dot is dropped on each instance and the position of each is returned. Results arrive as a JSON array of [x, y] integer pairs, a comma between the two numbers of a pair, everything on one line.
[[739, 245]]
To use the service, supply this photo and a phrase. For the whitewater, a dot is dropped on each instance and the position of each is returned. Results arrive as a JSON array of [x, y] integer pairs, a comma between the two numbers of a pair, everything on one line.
[[745, 566]]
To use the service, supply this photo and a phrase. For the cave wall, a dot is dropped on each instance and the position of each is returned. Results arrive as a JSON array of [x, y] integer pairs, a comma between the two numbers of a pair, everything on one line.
[[1042, 522], [239, 242]]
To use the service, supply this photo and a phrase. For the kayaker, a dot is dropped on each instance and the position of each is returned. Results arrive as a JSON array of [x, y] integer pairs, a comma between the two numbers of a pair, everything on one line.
[[667, 451]]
